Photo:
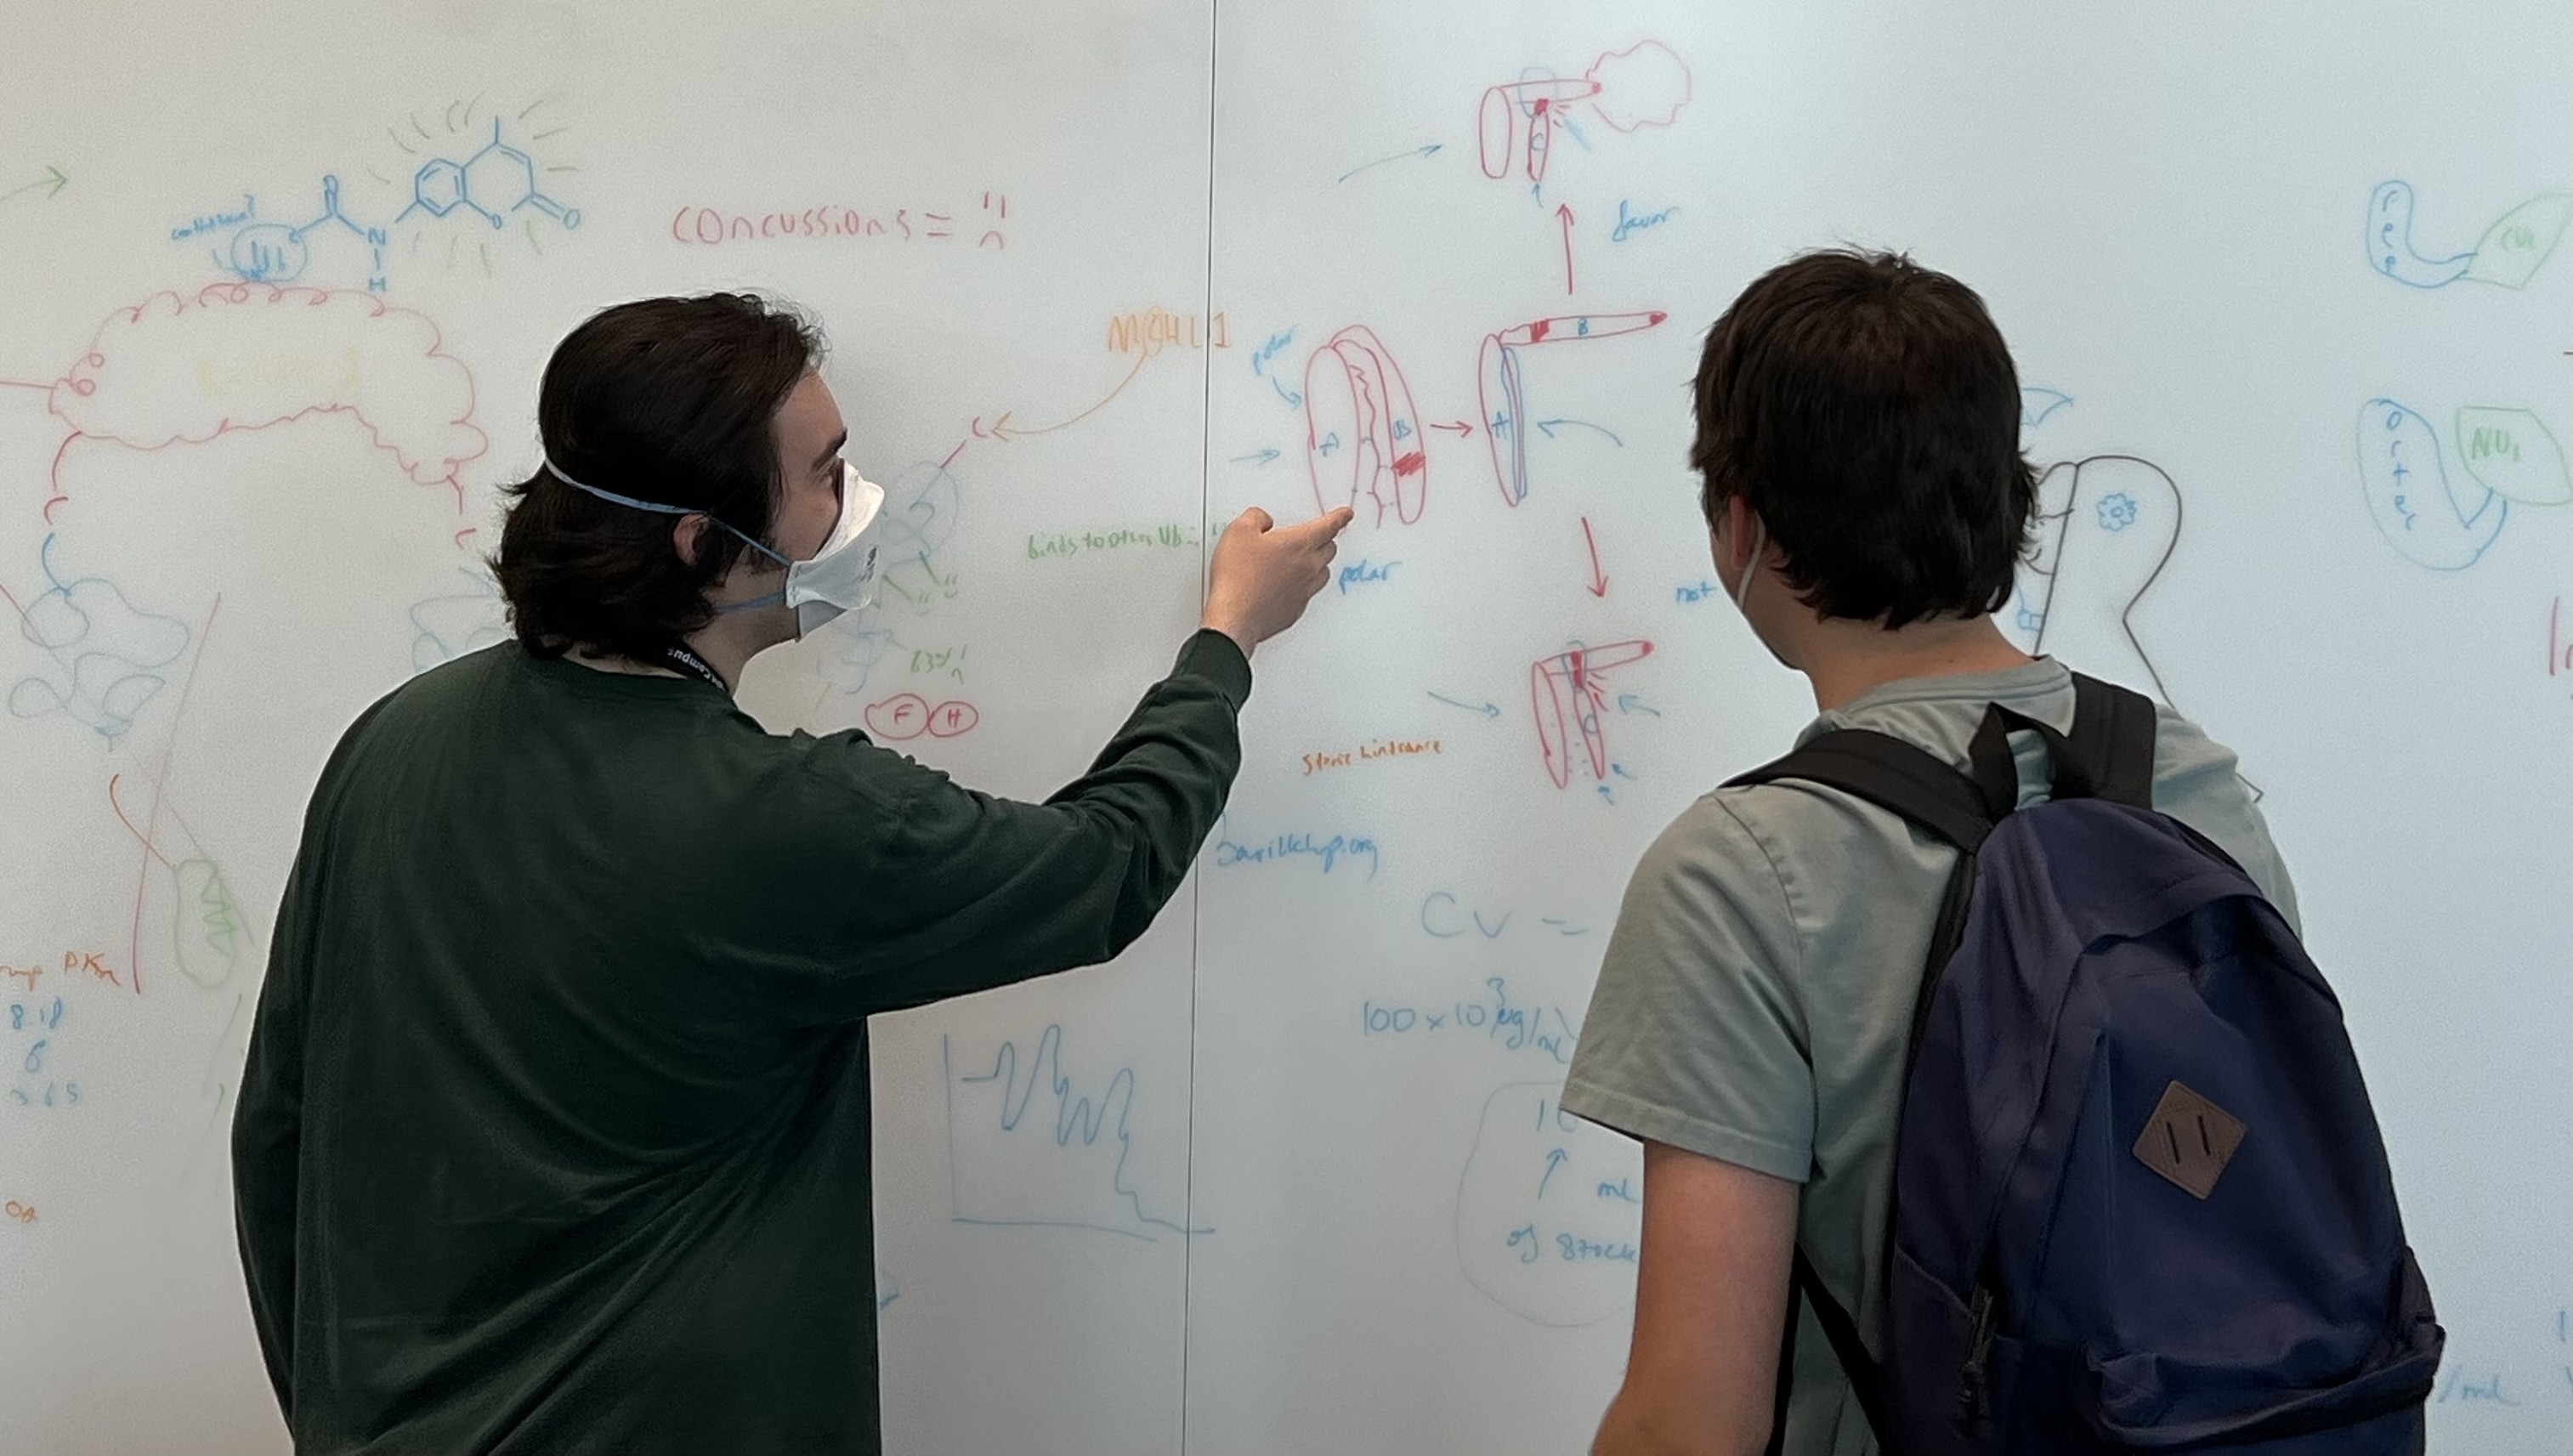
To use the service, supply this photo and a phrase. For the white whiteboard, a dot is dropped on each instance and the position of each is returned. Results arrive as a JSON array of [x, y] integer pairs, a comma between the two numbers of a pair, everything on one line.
[[1100, 275]]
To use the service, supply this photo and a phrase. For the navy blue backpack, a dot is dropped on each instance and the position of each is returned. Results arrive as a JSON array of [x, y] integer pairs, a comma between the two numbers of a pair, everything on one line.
[[2141, 1202]]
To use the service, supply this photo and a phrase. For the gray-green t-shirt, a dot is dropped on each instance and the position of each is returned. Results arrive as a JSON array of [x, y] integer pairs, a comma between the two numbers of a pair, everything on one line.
[[1758, 992]]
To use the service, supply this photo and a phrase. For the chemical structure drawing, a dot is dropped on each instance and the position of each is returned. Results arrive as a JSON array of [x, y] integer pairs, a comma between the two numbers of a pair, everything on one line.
[[278, 253], [495, 182], [442, 186]]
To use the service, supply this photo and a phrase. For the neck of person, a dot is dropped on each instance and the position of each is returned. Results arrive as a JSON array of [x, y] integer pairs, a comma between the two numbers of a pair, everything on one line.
[[1844, 659], [727, 643]]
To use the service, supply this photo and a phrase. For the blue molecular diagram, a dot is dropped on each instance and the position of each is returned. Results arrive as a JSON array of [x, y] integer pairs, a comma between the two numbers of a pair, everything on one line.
[[442, 186], [493, 182], [279, 253]]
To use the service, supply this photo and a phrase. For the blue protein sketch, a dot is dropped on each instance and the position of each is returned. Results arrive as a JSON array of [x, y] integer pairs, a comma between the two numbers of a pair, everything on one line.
[[2508, 256], [920, 511], [112, 656], [446, 627], [2445, 522], [1026, 1149]]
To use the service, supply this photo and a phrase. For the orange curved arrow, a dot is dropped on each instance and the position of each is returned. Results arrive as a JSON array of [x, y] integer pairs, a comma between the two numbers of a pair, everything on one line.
[[1001, 429]]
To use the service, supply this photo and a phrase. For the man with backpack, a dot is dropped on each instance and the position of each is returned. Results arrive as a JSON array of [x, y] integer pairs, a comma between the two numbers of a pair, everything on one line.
[[2102, 1176]]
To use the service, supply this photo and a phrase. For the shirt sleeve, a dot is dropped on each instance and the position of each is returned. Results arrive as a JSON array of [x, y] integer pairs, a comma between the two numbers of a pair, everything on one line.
[[2200, 781], [1695, 1036], [268, 1128], [984, 890]]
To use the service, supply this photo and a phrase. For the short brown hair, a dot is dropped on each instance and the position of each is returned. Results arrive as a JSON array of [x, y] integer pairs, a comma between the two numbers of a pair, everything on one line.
[[671, 401], [1866, 409]]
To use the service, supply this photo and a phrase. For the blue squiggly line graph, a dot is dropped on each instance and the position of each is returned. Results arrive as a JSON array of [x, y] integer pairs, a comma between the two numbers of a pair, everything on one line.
[[1075, 1117], [113, 656]]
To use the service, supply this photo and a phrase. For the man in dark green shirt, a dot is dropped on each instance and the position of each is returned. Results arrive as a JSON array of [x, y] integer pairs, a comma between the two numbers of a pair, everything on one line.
[[554, 1134]]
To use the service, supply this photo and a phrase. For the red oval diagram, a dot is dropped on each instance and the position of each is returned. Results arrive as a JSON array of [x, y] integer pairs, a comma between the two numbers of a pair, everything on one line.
[[899, 718], [947, 720]]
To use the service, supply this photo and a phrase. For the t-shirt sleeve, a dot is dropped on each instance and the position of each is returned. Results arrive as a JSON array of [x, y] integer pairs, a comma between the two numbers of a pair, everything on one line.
[[1695, 1036], [971, 890], [2200, 781]]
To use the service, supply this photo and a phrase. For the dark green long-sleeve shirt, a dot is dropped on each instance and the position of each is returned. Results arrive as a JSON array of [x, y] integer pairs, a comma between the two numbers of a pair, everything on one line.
[[555, 1132]]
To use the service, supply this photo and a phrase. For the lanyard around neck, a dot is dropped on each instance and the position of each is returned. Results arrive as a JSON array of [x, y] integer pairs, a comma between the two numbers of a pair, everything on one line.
[[687, 661]]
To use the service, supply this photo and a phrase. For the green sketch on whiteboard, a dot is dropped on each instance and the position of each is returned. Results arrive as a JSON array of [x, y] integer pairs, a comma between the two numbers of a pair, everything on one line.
[[207, 927], [2512, 455], [2508, 256]]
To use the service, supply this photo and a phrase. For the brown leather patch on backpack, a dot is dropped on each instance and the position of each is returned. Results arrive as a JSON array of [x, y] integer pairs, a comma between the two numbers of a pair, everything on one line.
[[2190, 1140]]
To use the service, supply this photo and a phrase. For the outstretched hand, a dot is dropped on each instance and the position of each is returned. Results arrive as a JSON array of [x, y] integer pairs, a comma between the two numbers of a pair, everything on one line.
[[1263, 573]]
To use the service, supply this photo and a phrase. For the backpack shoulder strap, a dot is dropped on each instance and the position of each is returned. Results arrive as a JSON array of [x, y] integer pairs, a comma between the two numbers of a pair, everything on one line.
[[1893, 775], [2108, 754], [2113, 734], [1914, 783]]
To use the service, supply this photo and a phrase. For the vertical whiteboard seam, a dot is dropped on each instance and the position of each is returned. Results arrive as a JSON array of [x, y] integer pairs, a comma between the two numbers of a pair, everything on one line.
[[1197, 891]]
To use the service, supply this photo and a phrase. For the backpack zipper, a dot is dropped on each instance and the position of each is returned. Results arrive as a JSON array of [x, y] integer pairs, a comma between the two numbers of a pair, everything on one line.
[[1973, 1394]]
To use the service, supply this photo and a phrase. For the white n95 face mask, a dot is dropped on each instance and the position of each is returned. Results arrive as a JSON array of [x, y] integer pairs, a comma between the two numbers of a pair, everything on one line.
[[840, 577]]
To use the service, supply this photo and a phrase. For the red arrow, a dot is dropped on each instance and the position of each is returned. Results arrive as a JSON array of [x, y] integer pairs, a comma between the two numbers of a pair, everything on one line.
[[1598, 578], [1461, 428], [1563, 212]]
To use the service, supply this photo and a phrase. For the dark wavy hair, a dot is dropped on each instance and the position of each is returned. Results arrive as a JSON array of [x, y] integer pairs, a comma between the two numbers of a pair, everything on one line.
[[672, 401], [1866, 409]]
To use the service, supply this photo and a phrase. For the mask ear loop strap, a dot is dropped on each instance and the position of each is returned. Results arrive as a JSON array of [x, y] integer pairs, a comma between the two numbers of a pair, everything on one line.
[[657, 507], [1750, 568]]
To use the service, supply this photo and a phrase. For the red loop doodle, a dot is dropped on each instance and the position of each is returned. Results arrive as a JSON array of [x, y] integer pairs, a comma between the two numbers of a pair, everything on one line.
[[1644, 85], [1568, 697], [1363, 434], [1514, 128]]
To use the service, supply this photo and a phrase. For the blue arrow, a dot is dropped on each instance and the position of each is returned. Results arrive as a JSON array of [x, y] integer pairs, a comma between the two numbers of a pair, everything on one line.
[[1256, 457], [1430, 151], [1549, 425], [2034, 405], [1488, 710], [1629, 703]]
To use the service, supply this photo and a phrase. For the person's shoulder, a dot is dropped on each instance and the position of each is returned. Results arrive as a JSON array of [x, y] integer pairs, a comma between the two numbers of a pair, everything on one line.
[[2189, 764], [473, 672], [1712, 829], [1940, 714], [2200, 781], [432, 692], [1724, 848]]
